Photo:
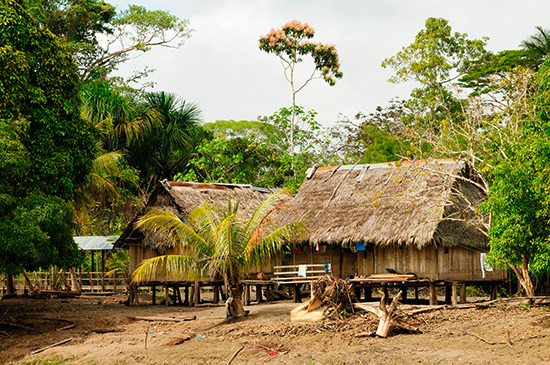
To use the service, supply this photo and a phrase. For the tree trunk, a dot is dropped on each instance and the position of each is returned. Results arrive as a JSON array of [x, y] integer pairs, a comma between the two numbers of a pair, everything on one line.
[[235, 308], [523, 277], [10, 286]]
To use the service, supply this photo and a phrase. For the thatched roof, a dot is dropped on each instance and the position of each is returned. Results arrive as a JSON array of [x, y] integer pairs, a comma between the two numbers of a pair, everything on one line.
[[181, 198], [392, 203]]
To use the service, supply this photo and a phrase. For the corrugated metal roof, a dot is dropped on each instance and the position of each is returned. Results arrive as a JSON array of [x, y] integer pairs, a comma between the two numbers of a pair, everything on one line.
[[92, 243]]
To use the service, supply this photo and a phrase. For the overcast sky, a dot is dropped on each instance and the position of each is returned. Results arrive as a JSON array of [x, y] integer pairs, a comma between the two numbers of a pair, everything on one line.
[[221, 68]]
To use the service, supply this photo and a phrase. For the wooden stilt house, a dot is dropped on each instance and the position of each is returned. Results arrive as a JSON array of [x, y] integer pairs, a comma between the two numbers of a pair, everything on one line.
[[413, 217], [181, 198]]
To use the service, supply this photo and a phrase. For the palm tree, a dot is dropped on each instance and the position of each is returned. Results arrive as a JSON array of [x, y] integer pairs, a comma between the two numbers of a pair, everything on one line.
[[164, 149], [220, 242], [538, 45]]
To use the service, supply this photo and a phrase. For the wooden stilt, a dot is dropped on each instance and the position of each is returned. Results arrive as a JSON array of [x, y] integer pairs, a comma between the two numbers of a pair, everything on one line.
[[197, 294], [494, 291], [416, 294], [454, 296], [246, 294], [433, 294], [166, 292], [259, 298], [186, 294], [463, 293], [154, 292], [216, 294]]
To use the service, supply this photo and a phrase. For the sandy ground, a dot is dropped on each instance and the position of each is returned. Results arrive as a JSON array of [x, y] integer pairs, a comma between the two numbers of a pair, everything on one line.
[[103, 334]]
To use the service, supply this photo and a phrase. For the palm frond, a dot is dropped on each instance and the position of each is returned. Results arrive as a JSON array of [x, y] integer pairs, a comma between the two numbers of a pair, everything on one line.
[[167, 268]]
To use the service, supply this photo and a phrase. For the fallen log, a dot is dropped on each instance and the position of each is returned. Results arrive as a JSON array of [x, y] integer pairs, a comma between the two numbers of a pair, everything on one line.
[[50, 346], [162, 319]]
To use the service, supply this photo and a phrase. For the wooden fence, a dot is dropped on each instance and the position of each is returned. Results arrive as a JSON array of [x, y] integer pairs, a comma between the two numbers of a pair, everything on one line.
[[91, 282]]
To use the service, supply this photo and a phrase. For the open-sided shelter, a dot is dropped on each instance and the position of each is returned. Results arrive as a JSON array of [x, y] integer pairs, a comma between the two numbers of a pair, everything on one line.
[[416, 217]]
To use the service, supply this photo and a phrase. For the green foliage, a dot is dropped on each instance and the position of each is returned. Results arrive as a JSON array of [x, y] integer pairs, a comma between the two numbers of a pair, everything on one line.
[[48, 148], [519, 195], [254, 152], [118, 262], [38, 83], [164, 149], [37, 231], [435, 59], [81, 22]]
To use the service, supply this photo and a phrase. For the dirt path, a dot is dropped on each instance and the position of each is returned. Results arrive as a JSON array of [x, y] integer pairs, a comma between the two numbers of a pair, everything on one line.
[[103, 334]]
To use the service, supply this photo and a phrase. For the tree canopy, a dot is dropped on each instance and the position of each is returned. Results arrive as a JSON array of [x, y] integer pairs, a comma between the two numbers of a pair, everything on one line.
[[49, 147]]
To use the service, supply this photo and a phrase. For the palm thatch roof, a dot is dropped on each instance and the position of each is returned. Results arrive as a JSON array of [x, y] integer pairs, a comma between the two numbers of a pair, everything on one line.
[[181, 198], [402, 203]]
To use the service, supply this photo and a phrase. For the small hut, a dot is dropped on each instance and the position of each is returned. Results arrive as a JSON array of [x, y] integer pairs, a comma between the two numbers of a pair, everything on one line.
[[181, 198], [416, 217]]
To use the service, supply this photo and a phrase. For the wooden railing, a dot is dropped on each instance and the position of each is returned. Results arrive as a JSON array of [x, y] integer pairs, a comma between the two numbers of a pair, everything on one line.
[[89, 281]]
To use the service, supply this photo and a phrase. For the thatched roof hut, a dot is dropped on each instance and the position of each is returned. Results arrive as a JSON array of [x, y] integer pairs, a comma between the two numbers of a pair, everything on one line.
[[181, 198], [420, 217], [392, 203]]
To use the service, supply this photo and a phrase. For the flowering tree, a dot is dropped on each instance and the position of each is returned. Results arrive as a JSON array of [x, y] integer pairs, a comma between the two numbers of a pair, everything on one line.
[[290, 43]]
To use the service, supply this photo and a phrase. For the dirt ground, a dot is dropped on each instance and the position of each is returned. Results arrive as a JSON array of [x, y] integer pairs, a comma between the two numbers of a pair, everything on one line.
[[103, 334]]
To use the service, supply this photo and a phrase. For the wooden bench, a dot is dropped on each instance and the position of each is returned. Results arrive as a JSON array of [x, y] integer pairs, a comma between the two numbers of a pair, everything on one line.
[[290, 275]]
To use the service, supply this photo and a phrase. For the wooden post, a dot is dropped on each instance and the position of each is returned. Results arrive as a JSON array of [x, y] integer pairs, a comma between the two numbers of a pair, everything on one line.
[[177, 295], [297, 294], [167, 293], [114, 281], [197, 294], [154, 289], [403, 294], [103, 270], [259, 298], [416, 294], [463, 292], [433, 294], [246, 294], [454, 296], [216, 294], [186, 294]]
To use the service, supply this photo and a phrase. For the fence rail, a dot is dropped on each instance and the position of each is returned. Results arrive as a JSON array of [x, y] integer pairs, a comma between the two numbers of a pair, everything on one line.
[[89, 281]]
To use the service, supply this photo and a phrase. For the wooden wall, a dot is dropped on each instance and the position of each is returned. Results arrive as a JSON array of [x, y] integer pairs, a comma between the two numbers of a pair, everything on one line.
[[343, 262], [438, 263]]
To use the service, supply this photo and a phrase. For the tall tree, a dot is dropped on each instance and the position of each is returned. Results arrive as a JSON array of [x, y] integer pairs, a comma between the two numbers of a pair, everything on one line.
[[436, 59], [49, 146], [219, 242], [290, 44], [136, 29], [538, 45], [164, 149]]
